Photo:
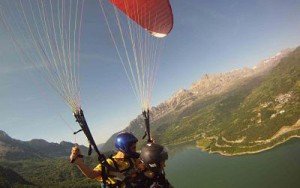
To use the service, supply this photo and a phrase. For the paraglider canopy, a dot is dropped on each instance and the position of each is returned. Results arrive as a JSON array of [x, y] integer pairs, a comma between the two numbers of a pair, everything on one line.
[[155, 16], [138, 29]]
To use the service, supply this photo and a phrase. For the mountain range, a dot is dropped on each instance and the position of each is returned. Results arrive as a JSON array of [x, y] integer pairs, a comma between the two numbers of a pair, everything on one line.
[[242, 111], [38, 163], [14, 149]]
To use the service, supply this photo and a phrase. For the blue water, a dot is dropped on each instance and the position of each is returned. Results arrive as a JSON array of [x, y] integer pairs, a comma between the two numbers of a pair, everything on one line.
[[275, 168]]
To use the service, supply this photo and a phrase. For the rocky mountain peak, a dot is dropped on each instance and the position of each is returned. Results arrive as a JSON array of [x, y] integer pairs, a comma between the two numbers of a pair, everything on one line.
[[213, 84], [272, 61], [4, 136]]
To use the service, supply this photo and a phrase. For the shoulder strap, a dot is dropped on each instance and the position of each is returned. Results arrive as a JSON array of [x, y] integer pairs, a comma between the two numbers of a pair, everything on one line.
[[117, 167], [106, 172], [126, 181], [130, 165], [115, 163]]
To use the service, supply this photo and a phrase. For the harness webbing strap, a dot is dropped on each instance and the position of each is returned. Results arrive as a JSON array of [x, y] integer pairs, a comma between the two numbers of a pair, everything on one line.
[[147, 124], [126, 180]]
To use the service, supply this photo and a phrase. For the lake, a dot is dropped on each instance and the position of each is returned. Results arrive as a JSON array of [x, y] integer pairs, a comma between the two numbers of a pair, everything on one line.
[[275, 168]]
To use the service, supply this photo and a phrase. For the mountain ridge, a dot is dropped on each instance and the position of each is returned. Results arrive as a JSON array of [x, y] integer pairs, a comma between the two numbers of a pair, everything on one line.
[[14, 149], [212, 84], [203, 93]]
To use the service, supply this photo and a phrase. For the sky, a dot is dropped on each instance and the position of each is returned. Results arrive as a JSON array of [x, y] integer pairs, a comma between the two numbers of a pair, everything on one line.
[[208, 37]]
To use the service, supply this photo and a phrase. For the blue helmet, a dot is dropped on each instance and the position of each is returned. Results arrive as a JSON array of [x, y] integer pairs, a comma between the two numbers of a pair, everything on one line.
[[123, 142]]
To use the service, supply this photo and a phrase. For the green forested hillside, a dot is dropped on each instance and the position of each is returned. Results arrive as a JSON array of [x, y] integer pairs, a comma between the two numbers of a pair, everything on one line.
[[45, 173], [9, 178], [38, 163], [256, 114]]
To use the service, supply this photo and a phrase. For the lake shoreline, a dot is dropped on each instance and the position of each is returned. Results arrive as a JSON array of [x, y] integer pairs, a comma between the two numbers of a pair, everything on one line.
[[277, 138], [250, 152]]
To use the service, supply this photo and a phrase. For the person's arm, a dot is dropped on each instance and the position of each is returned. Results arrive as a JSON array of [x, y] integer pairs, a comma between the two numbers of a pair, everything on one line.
[[92, 174], [76, 159]]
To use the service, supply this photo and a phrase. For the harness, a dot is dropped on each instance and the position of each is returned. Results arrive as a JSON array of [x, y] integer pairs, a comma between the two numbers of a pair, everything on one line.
[[122, 180], [158, 181]]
